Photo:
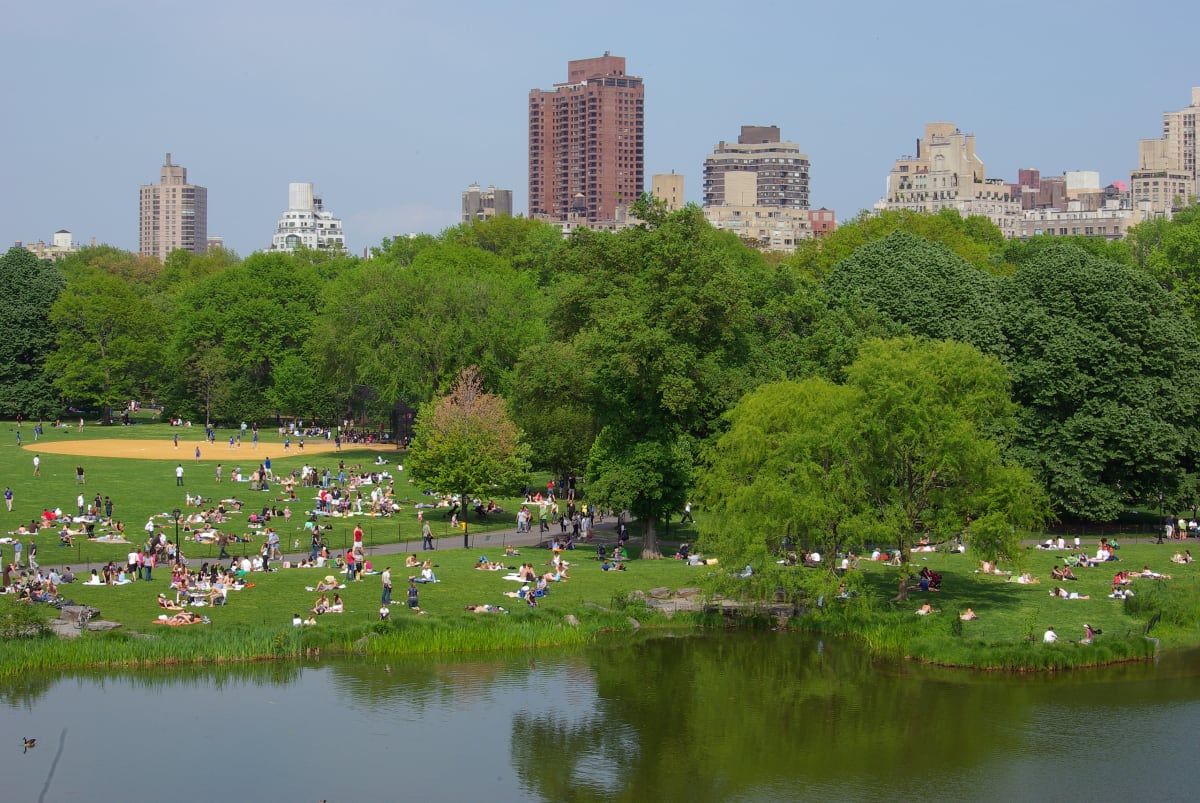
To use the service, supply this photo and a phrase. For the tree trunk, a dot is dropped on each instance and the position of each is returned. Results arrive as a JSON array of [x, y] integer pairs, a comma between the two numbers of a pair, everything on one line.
[[650, 541], [902, 596]]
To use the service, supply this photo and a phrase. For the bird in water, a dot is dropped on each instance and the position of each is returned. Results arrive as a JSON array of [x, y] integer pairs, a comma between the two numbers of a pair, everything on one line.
[[29, 744]]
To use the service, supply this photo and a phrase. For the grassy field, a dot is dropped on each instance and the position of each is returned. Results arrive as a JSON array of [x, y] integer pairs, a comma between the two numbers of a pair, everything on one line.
[[140, 489], [1013, 617]]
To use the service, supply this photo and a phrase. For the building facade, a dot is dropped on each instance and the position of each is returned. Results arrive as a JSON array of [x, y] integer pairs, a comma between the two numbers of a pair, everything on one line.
[[587, 140], [172, 214], [306, 224], [480, 204], [779, 169], [1168, 173], [947, 173], [61, 245], [758, 189], [668, 188]]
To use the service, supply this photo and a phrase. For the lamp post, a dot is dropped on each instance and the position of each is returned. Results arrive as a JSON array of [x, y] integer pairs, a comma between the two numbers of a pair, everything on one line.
[[175, 514], [1162, 520]]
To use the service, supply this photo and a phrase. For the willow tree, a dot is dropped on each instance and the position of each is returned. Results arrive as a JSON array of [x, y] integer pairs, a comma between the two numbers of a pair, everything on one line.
[[466, 443], [910, 446]]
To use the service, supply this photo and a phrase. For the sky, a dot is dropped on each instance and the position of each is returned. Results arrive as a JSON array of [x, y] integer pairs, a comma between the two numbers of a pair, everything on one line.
[[393, 108]]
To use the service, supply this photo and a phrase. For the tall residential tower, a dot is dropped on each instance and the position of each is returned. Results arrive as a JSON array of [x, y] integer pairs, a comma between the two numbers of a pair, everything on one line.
[[586, 142], [172, 214]]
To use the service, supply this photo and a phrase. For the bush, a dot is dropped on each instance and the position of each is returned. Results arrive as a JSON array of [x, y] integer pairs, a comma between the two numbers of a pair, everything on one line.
[[23, 619]]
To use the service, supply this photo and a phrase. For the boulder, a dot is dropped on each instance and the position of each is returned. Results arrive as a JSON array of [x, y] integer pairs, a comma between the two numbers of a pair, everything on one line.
[[571, 620], [659, 593], [634, 623], [687, 593]]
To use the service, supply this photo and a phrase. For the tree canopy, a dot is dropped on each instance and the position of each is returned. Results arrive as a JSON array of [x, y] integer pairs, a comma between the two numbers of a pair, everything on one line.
[[465, 443], [910, 446]]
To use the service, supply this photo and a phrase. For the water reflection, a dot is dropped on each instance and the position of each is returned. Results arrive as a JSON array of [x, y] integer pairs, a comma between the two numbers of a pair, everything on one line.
[[723, 717]]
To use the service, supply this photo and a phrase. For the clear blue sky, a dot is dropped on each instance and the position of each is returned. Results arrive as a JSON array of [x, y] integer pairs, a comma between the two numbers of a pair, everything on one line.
[[393, 108]]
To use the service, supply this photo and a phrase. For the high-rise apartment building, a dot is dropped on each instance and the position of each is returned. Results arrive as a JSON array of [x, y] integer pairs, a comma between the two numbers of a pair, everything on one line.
[[1168, 173], [587, 142], [758, 189], [173, 214], [478, 204], [306, 224], [778, 171], [946, 173]]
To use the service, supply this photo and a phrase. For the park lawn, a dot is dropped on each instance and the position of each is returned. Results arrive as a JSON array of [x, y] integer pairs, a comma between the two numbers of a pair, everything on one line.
[[1010, 613], [275, 596], [140, 488]]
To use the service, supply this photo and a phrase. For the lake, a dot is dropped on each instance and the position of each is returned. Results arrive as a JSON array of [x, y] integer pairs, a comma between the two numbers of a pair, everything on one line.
[[717, 717]]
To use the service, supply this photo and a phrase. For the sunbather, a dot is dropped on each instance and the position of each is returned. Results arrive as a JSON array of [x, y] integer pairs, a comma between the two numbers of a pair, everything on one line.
[[1062, 593]]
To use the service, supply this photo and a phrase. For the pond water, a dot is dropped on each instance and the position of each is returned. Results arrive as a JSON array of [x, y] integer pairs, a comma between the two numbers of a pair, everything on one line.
[[723, 717]]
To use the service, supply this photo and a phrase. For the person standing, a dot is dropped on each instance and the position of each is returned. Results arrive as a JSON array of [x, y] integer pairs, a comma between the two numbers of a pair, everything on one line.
[[79, 475], [358, 539], [179, 475], [108, 507], [687, 514], [79, 503], [197, 452], [33, 564], [387, 585], [176, 440], [8, 497], [37, 465], [18, 549], [426, 536], [218, 472]]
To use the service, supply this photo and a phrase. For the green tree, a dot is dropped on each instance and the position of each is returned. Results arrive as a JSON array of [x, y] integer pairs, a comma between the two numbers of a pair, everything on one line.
[[974, 239], [466, 443], [110, 342], [922, 286], [1104, 364], [549, 403], [407, 329], [666, 322], [29, 287], [908, 447]]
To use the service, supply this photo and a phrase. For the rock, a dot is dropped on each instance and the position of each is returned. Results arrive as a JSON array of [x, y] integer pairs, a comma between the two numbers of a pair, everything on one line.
[[687, 593], [634, 623], [639, 594], [659, 593], [77, 613], [571, 620]]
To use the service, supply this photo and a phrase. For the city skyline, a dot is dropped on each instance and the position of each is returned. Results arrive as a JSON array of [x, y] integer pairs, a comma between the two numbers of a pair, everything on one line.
[[394, 123]]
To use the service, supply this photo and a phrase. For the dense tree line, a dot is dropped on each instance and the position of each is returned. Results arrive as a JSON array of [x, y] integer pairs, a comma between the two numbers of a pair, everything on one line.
[[622, 355]]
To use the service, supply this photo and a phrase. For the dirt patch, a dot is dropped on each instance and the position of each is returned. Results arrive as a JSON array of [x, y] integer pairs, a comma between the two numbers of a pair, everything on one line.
[[186, 453]]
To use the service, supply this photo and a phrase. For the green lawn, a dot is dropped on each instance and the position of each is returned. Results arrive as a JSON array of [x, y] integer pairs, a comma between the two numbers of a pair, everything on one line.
[[143, 488]]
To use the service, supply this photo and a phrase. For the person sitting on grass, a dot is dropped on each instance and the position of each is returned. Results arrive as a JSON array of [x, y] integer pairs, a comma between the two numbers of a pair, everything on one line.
[[329, 583], [967, 615], [412, 561], [510, 551], [385, 613], [1089, 634], [1061, 593], [924, 610], [296, 620], [336, 606], [321, 606]]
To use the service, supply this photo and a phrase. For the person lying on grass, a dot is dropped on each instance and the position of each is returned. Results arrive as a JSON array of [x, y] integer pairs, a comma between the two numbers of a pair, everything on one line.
[[967, 615], [485, 609], [1151, 575], [170, 605], [1061, 593], [183, 618], [924, 610]]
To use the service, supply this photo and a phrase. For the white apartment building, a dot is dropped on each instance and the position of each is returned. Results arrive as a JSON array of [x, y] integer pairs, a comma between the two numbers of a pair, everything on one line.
[[306, 224]]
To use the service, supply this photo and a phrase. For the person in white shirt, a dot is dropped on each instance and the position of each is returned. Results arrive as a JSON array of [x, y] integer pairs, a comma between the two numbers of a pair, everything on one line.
[[1049, 637]]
